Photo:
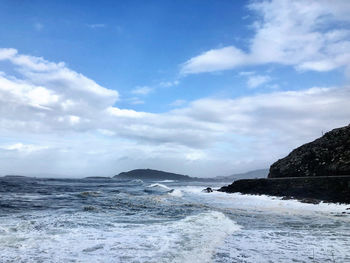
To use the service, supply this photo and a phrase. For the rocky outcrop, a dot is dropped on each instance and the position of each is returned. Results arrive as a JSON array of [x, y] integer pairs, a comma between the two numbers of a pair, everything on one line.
[[310, 189], [316, 171], [326, 156], [207, 190]]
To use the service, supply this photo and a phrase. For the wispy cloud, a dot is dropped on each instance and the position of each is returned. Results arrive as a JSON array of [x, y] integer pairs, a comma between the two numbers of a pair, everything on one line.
[[246, 73], [26, 148], [167, 84], [178, 103], [95, 26], [38, 26], [255, 81], [136, 101], [142, 90]]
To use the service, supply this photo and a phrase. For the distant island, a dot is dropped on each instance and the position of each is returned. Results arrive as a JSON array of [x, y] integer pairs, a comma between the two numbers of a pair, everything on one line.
[[316, 171], [15, 176], [97, 177], [150, 174]]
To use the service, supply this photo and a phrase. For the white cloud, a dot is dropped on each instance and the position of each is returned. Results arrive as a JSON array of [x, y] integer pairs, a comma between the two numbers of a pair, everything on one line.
[[246, 73], [194, 155], [51, 84], [26, 148], [74, 119], [168, 84], [106, 132], [7, 53], [216, 59], [125, 113], [308, 36], [178, 103], [255, 81], [38, 26], [48, 104], [136, 101], [94, 26], [142, 90]]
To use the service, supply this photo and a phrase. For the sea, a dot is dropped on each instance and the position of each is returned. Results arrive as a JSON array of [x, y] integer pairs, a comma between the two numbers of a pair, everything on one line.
[[108, 220]]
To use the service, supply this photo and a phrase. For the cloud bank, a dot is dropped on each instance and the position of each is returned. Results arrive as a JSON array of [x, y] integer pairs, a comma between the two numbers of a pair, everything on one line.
[[55, 120]]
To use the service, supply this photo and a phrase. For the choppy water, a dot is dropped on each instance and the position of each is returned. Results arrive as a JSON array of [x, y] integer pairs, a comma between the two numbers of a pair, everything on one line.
[[48, 220]]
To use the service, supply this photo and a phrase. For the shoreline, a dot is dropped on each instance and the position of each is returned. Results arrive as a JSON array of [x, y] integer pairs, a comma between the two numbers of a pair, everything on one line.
[[332, 189]]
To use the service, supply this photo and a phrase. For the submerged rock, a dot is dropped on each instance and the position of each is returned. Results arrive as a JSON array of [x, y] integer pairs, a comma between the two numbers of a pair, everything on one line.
[[89, 208], [326, 156], [89, 193], [207, 190]]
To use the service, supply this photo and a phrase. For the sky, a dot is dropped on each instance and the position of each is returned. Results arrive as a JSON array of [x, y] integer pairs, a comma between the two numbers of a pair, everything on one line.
[[197, 87]]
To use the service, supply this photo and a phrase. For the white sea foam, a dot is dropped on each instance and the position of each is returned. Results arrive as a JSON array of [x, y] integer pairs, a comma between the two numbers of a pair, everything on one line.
[[192, 239], [166, 181], [306, 244], [262, 203], [137, 181], [160, 187], [176, 193]]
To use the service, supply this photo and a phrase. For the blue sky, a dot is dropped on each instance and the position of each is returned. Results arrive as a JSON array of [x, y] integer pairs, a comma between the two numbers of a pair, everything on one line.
[[204, 88]]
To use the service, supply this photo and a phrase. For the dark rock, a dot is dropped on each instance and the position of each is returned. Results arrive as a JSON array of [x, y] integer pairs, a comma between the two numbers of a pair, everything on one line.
[[310, 201], [207, 190], [89, 208], [326, 156], [309, 189]]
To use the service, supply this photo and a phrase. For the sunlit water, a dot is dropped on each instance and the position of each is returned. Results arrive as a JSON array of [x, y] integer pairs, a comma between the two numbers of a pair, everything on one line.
[[135, 221]]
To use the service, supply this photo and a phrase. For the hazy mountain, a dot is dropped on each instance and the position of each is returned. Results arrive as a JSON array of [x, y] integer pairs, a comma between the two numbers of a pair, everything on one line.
[[149, 174], [260, 173]]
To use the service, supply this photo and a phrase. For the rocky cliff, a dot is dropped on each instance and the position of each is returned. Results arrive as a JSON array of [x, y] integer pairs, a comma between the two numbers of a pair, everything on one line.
[[326, 156]]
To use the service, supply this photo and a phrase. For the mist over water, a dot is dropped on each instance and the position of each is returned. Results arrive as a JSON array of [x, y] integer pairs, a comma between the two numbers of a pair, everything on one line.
[[85, 220]]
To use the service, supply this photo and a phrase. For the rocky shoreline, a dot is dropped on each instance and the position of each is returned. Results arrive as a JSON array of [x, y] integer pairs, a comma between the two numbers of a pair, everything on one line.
[[335, 189], [314, 172]]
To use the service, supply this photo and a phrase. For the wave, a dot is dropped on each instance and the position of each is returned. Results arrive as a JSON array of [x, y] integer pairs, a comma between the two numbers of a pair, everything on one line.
[[167, 181], [137, 181], [162, 186], [176, 193], [89, 193], [157, 189], [189, 240]]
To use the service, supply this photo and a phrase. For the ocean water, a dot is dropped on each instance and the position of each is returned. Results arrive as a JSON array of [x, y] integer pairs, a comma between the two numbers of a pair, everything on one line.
[[66, 220]]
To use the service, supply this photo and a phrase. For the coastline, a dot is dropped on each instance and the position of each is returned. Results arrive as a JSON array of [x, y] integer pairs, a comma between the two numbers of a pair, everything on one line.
[[333, 189]]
